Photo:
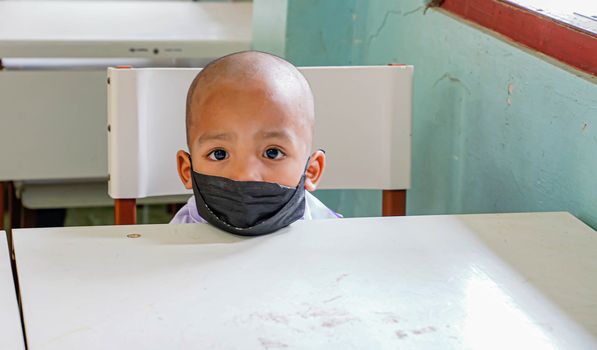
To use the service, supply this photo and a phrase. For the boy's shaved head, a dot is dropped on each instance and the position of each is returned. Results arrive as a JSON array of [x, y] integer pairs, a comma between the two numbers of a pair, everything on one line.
[[250, 117], [265, 76]]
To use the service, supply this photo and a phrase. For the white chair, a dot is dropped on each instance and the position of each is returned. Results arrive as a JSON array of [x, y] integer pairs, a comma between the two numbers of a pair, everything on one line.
[[363, 121]]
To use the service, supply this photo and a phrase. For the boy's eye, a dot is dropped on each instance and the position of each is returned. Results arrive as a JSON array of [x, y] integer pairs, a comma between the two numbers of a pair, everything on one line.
[[218, 154], [273, 153]]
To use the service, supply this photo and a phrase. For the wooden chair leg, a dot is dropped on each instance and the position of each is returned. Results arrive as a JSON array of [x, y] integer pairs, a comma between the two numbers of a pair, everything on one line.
[[2, 199], [125, 211], [14, 206], [393, 203], [28, 218]]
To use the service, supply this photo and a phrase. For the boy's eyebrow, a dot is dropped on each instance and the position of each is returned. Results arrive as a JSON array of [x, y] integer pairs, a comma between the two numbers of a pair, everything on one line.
[[216, 136], [275, 134]]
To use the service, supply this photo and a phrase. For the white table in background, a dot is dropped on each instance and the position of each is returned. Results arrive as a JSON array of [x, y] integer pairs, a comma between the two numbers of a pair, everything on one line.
[[53, 100], [11, 334], [157, 29], [493, 281]]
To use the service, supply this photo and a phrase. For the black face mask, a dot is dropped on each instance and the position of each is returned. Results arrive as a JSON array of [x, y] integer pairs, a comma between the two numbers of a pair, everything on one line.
[[247, 208]]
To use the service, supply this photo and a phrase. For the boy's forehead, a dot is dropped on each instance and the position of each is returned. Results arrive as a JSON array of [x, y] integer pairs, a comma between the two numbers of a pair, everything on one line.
[[283, 135], [254, 100], [250, 95], [252, 111], [258, 113]]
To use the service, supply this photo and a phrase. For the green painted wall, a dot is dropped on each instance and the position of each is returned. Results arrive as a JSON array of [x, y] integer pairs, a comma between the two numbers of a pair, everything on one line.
[[495, 128]]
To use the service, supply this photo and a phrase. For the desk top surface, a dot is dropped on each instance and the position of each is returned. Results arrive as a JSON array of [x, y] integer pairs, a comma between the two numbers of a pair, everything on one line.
[[123, 28], [11, 336], [474, 281]]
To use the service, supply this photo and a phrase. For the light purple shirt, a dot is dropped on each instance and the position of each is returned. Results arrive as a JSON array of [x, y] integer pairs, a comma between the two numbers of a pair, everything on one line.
[[314, 209]]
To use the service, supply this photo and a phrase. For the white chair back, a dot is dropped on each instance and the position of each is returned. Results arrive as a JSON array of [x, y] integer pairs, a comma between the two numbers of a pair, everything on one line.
[[363, 122]]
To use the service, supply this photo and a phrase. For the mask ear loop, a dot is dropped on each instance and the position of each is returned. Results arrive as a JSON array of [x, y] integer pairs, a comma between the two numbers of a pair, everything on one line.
[[309, 159], [190, 161]]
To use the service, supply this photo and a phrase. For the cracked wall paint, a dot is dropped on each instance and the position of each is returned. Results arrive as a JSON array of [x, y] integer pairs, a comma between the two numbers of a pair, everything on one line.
[[519, 143]]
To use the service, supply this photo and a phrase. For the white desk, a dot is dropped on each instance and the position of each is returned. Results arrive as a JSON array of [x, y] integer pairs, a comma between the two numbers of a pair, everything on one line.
[[11, 335], [507, 281]]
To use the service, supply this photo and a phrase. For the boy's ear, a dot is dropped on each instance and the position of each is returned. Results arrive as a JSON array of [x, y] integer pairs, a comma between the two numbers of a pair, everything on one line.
[[184, 169], [314, 170]]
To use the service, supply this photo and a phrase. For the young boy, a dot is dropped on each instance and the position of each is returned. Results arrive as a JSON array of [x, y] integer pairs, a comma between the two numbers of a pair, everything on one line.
[[249, 121]]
